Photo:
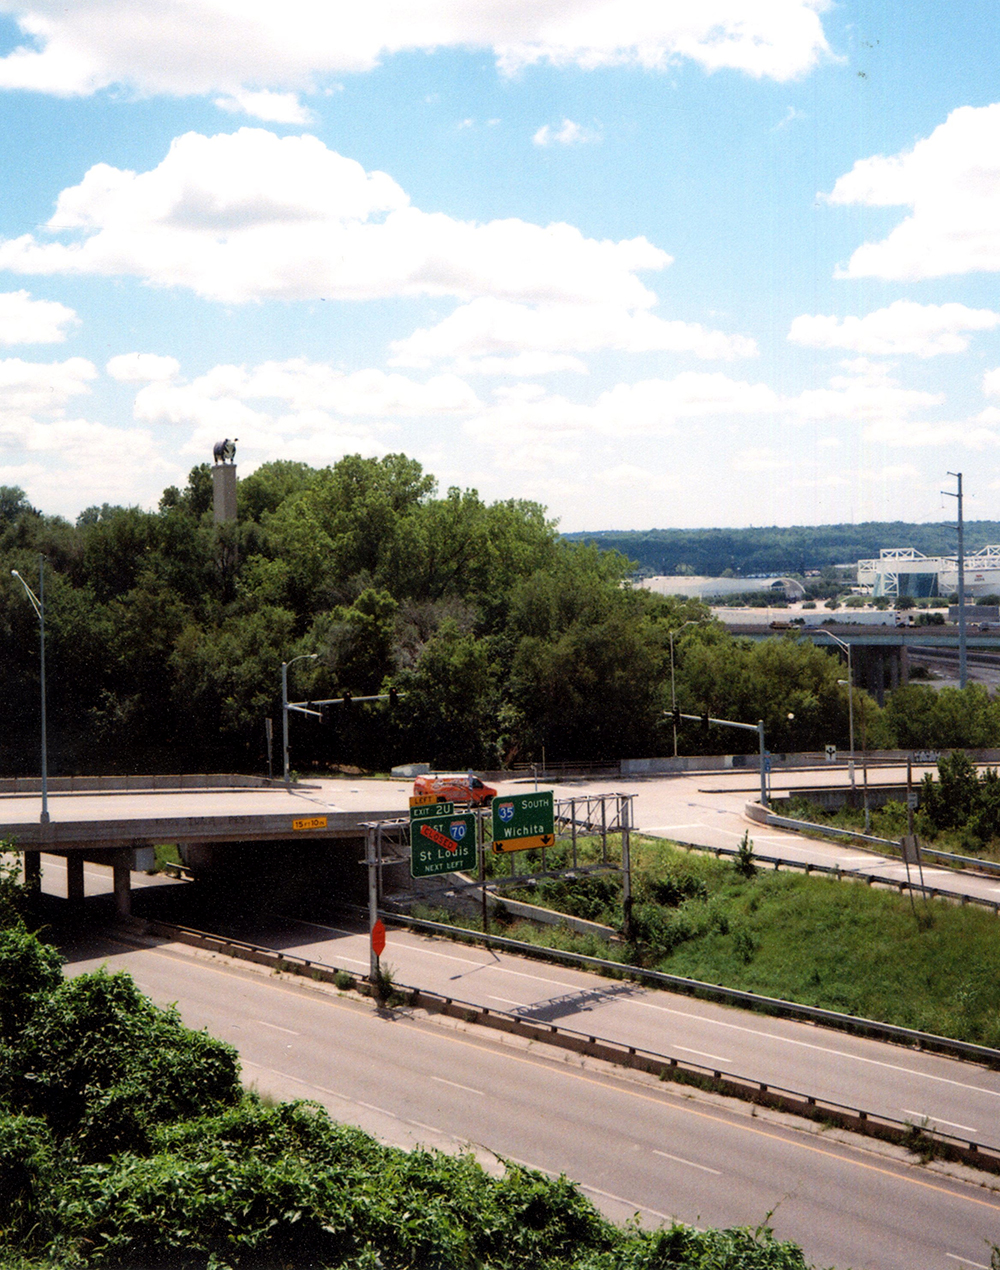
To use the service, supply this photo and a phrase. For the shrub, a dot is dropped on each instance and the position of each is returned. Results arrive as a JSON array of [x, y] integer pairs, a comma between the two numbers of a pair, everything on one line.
[[28, 970], [102, 1064]]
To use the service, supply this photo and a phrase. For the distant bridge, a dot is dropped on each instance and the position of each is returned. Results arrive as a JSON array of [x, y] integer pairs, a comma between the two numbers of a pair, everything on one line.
[[880, 655]]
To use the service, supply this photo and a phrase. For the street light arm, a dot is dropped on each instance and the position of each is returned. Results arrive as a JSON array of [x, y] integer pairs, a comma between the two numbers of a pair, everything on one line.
[[31, 595]]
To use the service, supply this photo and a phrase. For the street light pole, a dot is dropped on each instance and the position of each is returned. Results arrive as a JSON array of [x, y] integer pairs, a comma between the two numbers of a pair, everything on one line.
[[850, 695], [38, 604], [673, 691], [962, 656], [284, 710]]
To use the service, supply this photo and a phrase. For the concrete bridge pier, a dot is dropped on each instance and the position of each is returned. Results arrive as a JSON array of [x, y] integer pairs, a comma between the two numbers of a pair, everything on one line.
[[32, 868], [74, 877], [122, 868], [881, 669]]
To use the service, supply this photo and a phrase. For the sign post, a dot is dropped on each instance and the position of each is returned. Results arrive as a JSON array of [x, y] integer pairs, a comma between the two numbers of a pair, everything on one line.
[[523, 822]]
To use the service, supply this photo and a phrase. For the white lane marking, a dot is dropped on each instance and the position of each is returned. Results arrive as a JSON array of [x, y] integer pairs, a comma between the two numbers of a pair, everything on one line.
[[337, 930], [455, 1085], [717, 1058], [353, 1102], [932, 1119], [822, 1049], [428, 1127], [966, 1262], [683, 1014], [694, 824], [277, 1027], [595, 1190], [690, 1163], [505, 1000]]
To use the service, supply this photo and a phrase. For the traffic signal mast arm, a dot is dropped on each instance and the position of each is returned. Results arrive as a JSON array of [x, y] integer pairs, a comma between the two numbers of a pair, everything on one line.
[[743, 727], [723, 723], [304, 706]]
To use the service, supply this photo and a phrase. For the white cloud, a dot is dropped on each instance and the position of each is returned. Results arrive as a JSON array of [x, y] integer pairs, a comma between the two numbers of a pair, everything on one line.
[[295, 398], [525, 415], [477, 335], [35, 386], [27, 321], [567, 134], [183, 47], [64, 462], [951, 181], [142, 368], [270, 106], [908, 432], [252, 216], [764, 458], [903, 327], [991, 383], [867, 392]]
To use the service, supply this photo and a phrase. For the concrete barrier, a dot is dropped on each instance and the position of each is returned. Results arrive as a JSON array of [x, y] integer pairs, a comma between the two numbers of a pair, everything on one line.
[[129, 784]]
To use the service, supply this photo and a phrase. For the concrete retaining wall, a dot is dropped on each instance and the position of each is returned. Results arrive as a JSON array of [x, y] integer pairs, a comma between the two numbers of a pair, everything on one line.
[[118, 784]]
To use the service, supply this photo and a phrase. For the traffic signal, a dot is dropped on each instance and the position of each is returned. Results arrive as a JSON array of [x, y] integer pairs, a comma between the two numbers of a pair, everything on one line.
[[704, 723], [347, 699], [393, 698], [677, 716]]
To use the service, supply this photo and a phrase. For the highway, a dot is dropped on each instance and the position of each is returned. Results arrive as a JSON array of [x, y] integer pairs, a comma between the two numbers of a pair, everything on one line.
[[958, 1098], [961, 1099], [633, 1143]]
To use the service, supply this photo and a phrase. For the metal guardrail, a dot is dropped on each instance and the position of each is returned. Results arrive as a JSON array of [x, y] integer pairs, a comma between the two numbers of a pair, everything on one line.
[[946, 858], [730, 996], [834, 870], [918, 1138]]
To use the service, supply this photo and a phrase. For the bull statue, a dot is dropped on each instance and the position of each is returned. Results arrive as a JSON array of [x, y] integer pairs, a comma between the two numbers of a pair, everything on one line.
[[225, 451]]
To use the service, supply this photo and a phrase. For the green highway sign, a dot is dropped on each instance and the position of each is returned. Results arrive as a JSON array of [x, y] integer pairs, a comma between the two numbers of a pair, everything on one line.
[[523, 821], [424, 810], [442, 844]]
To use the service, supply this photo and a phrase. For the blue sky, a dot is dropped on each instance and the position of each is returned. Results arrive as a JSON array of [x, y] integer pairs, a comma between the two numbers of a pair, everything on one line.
[[648, 263]]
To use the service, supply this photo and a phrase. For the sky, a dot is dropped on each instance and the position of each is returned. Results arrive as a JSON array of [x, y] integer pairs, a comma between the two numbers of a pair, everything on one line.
[[651, 264]]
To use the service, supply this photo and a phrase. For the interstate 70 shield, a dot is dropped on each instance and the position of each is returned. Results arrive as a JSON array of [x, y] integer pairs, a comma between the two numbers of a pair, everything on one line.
[[442, 844]]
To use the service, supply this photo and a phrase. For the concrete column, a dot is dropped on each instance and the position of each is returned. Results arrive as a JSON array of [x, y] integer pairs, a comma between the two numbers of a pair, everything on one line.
[[123, 883], [33, 868], [74, 877], [224, 492], [904, 665]]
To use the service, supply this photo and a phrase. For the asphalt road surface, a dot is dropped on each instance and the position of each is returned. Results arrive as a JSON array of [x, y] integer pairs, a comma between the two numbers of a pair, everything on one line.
[[961, 1099], [634, 1144]]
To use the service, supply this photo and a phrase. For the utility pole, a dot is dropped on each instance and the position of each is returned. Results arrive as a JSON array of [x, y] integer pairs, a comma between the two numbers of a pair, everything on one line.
[[962, 671]]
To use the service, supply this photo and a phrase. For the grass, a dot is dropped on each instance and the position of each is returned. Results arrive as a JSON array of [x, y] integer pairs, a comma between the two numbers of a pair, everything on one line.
[[835, 944], [890, 821], [165, 853]]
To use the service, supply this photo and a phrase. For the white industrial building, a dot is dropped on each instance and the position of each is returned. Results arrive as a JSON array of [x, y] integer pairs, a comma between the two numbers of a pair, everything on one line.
[[900, 571]]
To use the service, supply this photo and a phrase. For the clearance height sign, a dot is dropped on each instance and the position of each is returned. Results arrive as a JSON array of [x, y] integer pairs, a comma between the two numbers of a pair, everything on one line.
[[440, 840]]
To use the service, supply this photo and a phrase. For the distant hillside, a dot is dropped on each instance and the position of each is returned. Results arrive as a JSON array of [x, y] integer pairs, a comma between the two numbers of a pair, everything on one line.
[[777, 550]]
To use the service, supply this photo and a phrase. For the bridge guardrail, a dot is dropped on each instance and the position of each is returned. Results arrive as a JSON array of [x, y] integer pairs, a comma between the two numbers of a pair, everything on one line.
[[919, 1138], [947, 858]]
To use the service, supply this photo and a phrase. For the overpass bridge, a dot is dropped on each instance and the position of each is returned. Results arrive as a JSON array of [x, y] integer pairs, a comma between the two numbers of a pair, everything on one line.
[[99, 820], [880, 655]]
